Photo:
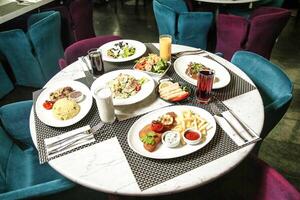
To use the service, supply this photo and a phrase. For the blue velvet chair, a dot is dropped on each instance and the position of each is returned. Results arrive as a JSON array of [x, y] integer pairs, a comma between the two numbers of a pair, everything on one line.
[[5, 83], [45, 36], [186, 28], [273, 84], [33, 56], [21, 175]]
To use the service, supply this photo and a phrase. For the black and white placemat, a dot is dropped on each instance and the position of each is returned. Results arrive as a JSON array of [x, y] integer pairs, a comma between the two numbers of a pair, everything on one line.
[[44, 131]]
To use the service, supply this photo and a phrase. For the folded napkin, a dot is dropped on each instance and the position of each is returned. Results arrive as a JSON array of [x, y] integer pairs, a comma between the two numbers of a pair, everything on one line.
[[86, 139], [232, 132]]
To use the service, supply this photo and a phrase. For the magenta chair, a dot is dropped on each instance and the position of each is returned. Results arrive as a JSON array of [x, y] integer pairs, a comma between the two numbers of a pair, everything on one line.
[[256, 180], [257, 34], [81, 48]]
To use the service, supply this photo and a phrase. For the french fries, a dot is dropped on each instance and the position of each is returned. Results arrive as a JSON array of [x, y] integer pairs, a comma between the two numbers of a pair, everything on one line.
[[189, 119]]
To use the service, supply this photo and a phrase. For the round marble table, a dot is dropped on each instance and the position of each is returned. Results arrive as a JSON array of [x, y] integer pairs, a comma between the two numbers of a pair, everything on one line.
[[103, 166]]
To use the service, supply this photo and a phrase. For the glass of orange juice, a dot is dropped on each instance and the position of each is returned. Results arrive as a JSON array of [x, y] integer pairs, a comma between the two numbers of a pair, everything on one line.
[[165, 42]]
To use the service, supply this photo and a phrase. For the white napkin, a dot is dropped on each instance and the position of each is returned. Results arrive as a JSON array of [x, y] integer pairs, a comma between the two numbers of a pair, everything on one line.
[[67, 134], [231, 132]]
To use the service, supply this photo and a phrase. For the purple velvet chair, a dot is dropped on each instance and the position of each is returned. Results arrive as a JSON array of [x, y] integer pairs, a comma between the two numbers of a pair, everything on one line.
[[81, 48], [257, 34], [256, 180]]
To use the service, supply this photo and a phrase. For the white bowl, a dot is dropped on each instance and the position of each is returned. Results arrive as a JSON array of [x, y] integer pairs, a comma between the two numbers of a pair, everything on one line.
[[191, 142], [175, 142], [158, 75]]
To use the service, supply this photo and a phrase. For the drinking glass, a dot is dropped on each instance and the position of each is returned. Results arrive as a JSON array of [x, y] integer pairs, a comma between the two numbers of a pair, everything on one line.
[[96, 61], [165, 42], [205, 82]]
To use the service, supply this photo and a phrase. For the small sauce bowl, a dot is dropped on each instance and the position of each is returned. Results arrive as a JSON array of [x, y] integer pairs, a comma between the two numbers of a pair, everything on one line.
[[191, 136], [76, 96], [171, 139]]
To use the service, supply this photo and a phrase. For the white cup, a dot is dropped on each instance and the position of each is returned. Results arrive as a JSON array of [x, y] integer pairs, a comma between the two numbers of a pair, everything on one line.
[[105, 105]]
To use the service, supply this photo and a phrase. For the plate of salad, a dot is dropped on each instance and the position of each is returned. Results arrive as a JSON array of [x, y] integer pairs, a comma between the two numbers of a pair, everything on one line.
[[152, 65], [127, 86], [122, 50]]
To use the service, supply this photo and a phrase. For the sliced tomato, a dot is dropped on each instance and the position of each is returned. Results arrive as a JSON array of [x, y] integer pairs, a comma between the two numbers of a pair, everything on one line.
[[181, 97], [139, 66], [48, 105], [138, 87], [157, 126]]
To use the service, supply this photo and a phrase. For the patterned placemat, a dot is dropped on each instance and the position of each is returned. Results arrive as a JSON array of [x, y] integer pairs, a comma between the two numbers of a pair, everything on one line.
[[44, 131], [236, 87]]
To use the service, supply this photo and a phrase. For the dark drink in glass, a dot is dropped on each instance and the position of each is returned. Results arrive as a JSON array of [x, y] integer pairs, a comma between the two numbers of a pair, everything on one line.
[[204, 85], [96, 62]]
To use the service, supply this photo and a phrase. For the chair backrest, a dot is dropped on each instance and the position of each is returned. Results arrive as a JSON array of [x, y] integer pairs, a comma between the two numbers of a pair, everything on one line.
[[81, 12], [6, 145], [21, 59], [5, 83], [273, 84], [274, 185], [266, 25], [232, 32], [186, 28], [45, 36], [81, 47]]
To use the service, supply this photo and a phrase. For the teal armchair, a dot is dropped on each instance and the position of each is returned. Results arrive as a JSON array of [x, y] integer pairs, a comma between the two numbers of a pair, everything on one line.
[[186, 28], [33, 56], [21, 175], [5, 83], [273, 84]]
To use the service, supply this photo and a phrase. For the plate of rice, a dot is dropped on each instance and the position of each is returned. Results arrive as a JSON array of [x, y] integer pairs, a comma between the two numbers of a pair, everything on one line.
[[57, 107]]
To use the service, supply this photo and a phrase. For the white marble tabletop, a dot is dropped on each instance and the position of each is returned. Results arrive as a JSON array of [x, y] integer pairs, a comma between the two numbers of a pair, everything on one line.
[[103, 166], [10, 9]]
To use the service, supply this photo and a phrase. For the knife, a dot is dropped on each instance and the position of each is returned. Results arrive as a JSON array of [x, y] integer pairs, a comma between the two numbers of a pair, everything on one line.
[[85, 134]]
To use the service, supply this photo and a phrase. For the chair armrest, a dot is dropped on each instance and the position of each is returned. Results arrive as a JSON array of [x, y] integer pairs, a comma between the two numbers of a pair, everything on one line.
[[193, 28], [15, 120], [39, 190]]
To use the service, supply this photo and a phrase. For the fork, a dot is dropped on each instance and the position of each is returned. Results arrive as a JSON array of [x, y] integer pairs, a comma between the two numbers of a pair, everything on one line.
[[190, 52], [218, 113]]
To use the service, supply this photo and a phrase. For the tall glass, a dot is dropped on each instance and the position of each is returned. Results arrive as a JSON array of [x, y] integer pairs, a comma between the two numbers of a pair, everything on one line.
[[205, 82], [165, 42], [96, 62]]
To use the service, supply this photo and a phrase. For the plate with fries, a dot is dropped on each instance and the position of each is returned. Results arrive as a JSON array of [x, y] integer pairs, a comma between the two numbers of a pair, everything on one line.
[[184, 118]]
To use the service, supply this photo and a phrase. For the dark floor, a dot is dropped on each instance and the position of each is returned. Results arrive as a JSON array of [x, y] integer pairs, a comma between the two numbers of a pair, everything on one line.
[[281, 149]]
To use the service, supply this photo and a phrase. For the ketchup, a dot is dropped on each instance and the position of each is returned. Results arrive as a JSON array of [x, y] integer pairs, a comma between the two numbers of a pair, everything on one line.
[[191, 135]]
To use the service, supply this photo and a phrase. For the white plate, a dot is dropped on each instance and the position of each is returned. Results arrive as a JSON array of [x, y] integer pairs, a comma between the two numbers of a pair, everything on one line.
[[163, 152], [140, 49], [145, 91], [181, 64], [48, 118]]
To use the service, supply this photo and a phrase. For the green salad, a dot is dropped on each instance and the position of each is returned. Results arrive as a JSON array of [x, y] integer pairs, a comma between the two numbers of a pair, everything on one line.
[[121, 50], [152, 63]]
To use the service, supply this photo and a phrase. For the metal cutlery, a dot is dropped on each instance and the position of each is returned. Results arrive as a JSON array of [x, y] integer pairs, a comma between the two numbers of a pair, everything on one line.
[[190, 52], [218, 113], [250, 131], [69, 141]]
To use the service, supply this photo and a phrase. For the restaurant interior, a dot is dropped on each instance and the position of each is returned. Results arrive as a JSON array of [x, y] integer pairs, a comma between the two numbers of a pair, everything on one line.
[[260, 39]]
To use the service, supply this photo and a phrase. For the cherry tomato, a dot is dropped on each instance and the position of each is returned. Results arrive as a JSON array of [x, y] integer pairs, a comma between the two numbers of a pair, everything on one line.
[[181, 97], [138, 87], [48, 105], [157, 126]]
